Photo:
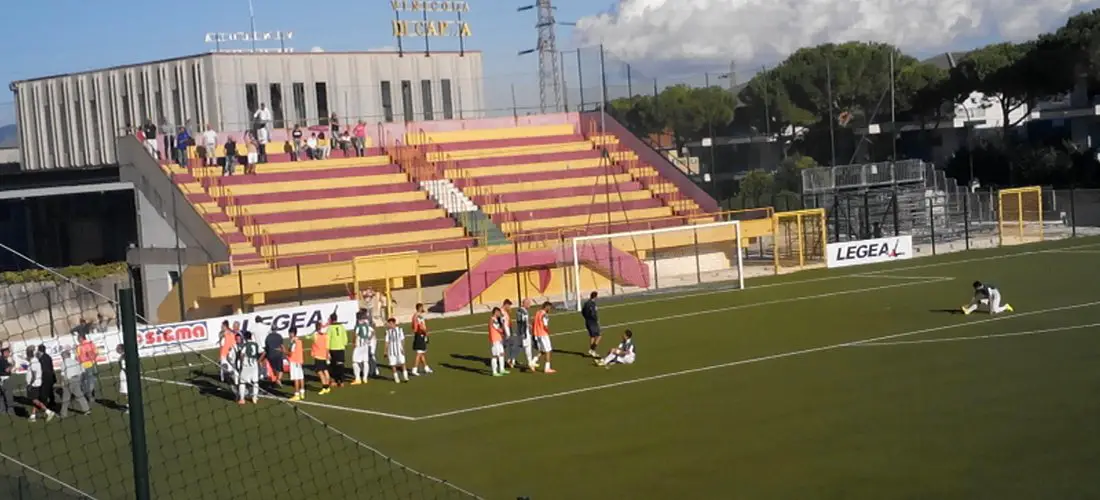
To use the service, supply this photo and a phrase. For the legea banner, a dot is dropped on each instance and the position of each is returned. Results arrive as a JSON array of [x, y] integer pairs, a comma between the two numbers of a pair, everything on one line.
[[198, 335], [857, 253]]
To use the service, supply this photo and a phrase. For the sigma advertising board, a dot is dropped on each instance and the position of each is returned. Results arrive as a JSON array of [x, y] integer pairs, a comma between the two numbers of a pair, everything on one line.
[[198, 335], [858, 253]]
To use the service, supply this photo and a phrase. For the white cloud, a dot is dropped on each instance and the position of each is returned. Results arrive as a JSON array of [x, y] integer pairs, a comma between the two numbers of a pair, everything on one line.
[[764, 31]]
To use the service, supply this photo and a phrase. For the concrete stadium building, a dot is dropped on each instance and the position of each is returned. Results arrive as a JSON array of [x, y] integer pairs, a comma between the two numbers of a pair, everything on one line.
[[71, 121], [63, 198]]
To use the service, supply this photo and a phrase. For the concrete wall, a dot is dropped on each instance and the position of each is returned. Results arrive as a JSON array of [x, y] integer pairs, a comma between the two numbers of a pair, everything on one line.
[[72, 120], [155, 231], [352, 82], [29, 309]]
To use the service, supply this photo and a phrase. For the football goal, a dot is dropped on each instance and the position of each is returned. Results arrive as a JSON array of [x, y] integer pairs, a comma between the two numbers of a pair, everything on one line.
[[655, 259], [1020, 215]]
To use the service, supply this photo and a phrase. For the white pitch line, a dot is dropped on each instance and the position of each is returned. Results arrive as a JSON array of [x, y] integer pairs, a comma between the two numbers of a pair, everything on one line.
[[868, 274], [982, 259], [1083, 252], [47, 476], [310, 403], [899, 277], [748, 306], [748, 361], [979, 337], [760, 304]]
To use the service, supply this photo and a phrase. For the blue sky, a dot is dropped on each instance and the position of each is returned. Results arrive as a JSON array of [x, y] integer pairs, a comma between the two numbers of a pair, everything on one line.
[[89, 35], [674, 40]]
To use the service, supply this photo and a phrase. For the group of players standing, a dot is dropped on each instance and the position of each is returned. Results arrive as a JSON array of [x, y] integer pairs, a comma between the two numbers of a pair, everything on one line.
[[245, 362]]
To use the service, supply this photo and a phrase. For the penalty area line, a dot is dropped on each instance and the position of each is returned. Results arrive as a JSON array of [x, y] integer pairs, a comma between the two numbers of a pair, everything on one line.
[[749, 361], [761, 304], [307, 403], [980, 337]]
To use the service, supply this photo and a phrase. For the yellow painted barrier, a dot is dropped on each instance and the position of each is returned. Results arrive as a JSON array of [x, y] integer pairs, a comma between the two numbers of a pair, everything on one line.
[[520, 206], [301, 185], [324, 246], [351, 201], [533, 149], [527, 168], [354, 221], [417, 138], [580, 220]]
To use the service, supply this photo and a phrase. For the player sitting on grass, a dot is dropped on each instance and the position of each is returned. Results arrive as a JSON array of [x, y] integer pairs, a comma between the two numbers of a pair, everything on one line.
[[986, 294], [624, 353], [395, 350], [496, 343]]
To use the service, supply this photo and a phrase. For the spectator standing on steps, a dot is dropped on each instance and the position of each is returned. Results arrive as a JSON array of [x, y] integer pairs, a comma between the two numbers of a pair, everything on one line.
[[183, 141], [262, 138], [230, 156], [261, 118], [210, 146], [150, 132], [296, 143], [359, 138], [592, 324]]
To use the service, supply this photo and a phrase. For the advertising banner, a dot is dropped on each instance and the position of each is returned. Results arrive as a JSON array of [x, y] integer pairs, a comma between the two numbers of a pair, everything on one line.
[[857, 253], [198, 335]]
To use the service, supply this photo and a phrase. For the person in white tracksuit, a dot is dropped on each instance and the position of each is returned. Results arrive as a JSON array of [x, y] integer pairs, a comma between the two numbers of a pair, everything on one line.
[[986, 294]]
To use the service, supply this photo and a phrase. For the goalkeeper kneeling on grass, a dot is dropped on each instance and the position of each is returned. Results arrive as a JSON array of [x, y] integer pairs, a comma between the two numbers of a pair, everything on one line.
[[624, 353], [986, 294]]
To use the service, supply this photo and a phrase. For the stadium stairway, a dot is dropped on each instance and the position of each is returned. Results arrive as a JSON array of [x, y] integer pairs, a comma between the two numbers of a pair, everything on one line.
[[464, 211], [535, 182]]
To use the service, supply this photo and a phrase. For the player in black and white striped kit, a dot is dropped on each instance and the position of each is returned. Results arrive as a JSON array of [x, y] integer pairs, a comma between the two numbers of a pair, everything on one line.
[[986, 294]]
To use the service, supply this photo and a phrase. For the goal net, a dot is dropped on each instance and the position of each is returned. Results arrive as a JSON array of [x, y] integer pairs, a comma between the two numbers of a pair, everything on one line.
[[1020, 215], [655, 259]]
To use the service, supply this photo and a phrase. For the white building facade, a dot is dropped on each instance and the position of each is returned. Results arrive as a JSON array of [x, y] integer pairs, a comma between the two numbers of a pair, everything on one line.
[[71, 121]]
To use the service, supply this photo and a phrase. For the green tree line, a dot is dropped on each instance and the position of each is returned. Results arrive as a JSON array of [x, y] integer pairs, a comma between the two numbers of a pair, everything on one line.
[[791, 103]]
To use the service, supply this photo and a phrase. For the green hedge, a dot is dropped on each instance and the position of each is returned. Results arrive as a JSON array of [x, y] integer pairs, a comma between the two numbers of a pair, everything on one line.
[[82, 272]]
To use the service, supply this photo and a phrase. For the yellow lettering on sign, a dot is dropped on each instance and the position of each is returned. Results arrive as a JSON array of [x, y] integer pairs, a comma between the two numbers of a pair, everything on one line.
[[405, 28]]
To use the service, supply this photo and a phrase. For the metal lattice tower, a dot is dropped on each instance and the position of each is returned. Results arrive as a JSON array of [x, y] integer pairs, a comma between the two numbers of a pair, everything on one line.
[[549, 72]]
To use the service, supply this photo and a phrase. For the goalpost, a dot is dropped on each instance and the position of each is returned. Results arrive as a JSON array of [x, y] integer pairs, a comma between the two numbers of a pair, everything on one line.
[[384, 273], [655, 259], [1020, 215]]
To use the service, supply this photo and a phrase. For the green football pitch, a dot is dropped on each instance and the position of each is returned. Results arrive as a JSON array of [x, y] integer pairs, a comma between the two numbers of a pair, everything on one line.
[[865, 382]]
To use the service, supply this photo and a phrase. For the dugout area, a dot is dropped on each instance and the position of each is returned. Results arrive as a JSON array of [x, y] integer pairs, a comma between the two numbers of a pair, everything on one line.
[[859, 383]]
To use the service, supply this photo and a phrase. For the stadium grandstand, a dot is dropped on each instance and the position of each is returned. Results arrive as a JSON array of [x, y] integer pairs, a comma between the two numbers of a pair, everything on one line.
[[435, 203], [450, 191]]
